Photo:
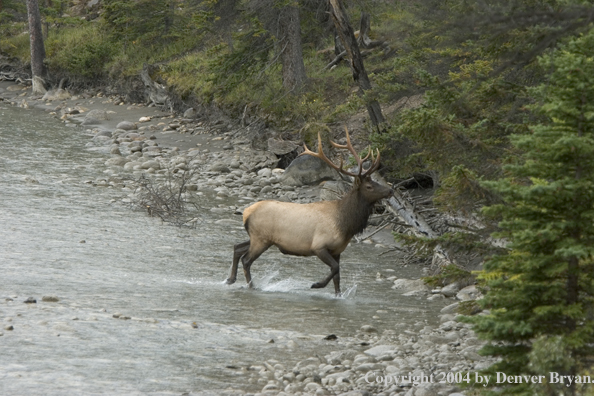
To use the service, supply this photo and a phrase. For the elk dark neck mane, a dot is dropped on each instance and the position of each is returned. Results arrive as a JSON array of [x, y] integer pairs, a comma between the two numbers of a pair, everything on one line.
[[355, 210]]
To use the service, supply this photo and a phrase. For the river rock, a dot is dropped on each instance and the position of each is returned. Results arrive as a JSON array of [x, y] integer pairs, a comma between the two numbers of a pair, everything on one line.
[[281, 147], [450, 309], [365, 367], [151, 164], [116, 161], [190, 113], [380, 350], [423, 391], [126, 126], [219, 167], [337, 357], [265, 172], [308, 170], [103, 134], [58, 94], [368, 329], [469, 293], [451, 289], [130, 165], [50, 299], [410, 285], [95, 117]]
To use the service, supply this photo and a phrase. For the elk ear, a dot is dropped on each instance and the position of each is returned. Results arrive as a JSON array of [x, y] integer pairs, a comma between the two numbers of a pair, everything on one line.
[[357, 182]]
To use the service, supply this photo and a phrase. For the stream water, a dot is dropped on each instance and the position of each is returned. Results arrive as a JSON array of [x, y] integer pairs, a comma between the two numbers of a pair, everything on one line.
[[187, 331]]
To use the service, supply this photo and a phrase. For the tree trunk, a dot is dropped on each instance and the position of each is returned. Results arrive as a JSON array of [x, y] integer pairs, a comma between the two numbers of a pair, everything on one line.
[[364, 29], [37, 48], [169, 16], [338, 47], [345, 31], [292, 56]]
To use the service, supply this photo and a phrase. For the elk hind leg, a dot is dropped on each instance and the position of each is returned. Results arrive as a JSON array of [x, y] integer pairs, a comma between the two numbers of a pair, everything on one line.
[[334, 263], [239, 251], [255, 250]]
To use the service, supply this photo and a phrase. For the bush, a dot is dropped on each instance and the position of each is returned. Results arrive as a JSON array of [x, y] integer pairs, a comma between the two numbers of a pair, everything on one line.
[[82, 51]]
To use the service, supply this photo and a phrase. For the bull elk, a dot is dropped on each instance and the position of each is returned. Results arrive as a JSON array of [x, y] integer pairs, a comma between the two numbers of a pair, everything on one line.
[[322, 229]]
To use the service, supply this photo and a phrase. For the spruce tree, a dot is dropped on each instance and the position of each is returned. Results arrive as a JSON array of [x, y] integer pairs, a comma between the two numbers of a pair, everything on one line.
[[540, 293]]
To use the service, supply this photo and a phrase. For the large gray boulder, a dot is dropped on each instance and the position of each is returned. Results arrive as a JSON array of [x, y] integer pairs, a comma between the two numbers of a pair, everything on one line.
[[95, 117], [308, 170], [281, 147], [469, 293], [126, 126], [451, 290], [334, 190]]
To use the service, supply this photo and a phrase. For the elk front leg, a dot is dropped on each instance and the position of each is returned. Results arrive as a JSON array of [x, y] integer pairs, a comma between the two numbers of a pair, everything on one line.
[[336, 278], [334, 263], [238, 251], [255, 250]]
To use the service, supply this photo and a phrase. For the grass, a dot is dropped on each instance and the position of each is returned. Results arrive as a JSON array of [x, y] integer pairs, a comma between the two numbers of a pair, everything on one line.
[[14, 41], [193, 66]]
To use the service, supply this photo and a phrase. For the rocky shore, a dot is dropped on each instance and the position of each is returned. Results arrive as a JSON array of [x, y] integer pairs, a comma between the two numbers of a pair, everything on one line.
[[237, 165]]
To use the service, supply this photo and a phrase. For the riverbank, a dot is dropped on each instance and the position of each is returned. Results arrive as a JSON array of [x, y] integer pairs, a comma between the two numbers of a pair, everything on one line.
[[237, 174]]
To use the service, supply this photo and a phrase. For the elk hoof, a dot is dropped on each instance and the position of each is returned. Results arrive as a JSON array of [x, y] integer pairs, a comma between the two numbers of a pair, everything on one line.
[[230, 281], [317, 285]]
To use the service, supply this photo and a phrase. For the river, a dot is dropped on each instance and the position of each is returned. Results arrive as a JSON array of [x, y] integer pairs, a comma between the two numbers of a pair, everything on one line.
[[187, 331]]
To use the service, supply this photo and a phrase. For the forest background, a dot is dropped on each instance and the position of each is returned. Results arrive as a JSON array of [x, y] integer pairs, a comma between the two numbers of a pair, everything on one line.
[[485, 103]]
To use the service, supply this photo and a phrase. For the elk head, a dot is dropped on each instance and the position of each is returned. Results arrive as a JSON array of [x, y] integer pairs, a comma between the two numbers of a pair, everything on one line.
[[370, 190]]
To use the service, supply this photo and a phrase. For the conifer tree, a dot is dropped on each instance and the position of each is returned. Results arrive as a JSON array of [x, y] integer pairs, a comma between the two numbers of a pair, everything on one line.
[[540, 293]]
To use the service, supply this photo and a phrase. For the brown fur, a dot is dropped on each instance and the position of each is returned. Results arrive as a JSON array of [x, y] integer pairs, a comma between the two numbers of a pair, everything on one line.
[[322, 229]]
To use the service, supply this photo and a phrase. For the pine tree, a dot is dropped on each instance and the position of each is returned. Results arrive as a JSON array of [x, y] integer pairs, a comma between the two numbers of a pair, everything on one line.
[[540, 293]]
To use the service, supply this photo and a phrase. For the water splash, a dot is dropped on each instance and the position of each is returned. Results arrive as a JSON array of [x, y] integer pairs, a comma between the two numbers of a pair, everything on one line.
[[286, 285], [350, 293]]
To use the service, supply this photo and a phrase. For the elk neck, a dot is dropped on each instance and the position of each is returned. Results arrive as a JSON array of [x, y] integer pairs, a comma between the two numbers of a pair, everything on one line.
[[354, 211]]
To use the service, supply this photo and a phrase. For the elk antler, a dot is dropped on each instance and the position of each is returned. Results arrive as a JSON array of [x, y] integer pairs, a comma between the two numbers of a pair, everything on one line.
[[375, 161]]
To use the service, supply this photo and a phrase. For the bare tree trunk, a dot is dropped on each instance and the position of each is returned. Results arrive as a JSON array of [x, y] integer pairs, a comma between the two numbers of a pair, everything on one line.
[[345, 31], [169, 17], [37, 48], [338, 47], [292, 55], [364, 30]]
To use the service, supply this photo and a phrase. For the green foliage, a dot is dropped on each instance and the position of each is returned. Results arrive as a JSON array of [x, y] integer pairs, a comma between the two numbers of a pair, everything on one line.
[[469, 308], [81, 52], [11, 10], [247, 61], [17, 44], [449, 274], [542, 290], [461, 190]]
